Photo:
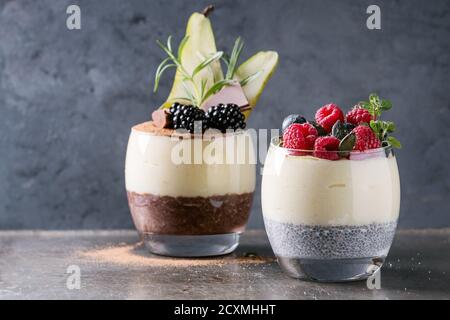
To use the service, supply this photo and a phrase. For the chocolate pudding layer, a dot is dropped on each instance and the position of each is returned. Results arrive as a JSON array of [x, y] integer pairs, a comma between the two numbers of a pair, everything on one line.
[[179, 215]]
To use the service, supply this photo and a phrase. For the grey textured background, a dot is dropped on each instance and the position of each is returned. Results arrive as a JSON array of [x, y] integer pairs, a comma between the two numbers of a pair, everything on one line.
[[69, 98]]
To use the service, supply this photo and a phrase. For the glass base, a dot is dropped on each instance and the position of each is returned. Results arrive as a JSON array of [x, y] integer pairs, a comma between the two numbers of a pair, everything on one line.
[[191, 245], [331, 270]]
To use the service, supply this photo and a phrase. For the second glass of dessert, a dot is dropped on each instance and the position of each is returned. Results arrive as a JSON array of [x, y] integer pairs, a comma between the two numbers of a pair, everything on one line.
[[331, 193], [190, 172]]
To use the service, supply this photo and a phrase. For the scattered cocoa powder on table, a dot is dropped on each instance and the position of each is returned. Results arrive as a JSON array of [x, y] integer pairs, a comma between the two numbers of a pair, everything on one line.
[[137, 255]]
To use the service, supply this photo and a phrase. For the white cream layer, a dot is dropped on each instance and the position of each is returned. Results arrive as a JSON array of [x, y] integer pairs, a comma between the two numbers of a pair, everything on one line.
[[312, 191], [150, 167]]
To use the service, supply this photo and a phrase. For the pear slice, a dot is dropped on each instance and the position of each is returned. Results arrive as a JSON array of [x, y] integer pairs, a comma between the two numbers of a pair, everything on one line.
[[264, 62], [199, 45], [228, 94]]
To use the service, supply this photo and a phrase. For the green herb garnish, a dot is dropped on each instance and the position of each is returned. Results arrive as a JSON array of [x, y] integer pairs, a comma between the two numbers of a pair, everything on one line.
[[382, 129], [197, 94], [347, 143], [194, 94], [231, 63]]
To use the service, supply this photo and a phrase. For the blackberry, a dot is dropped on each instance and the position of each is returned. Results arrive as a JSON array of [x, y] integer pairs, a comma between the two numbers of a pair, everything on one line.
[[184, 117], [223, 117]]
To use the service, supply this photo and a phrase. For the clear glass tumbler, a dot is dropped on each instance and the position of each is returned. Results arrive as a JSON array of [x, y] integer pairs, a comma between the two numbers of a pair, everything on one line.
[[330, 220], [189, 196]]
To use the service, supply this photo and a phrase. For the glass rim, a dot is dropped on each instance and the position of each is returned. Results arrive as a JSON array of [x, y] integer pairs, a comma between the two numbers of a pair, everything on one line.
[[275, 143], [187, 135]]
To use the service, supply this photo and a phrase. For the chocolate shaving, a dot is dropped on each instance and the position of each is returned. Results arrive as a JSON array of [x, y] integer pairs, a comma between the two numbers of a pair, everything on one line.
[[161, 119]]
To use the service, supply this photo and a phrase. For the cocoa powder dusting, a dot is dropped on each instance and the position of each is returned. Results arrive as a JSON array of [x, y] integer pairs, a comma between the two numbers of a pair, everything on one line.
[[137, 255]]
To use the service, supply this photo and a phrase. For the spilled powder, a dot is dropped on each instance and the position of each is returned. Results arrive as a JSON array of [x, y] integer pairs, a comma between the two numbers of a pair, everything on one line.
[[137, 255]]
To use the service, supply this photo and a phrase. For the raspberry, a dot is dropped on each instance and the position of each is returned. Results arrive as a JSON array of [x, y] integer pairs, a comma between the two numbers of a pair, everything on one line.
[[328, 115], [324, 147], [365, 139], [299, 136], [359, 115]]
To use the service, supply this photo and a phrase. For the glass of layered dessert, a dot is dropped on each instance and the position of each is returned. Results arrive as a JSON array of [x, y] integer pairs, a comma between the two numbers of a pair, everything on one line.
[[331, 193], [184, 208], [190, 172]]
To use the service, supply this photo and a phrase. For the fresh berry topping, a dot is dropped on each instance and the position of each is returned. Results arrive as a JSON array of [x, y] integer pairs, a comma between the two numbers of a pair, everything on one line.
[[324, 147], [320, 130], [293, 118], [223, 117], [174, 106], [359, 115], [328, 115], [365, 139], [349, 126], [299, 136], [184, 117], [340, 130]]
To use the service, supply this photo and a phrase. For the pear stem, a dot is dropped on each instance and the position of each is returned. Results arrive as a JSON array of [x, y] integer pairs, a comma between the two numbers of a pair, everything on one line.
[[208, 10]]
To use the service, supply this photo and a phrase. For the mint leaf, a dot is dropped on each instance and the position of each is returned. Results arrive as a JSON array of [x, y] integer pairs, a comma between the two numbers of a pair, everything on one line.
[[378, 127], [374, 125], [386, 105], [390, 126], [382, 128], [394, 142], [376, 106], [374, 99], [364, 105]]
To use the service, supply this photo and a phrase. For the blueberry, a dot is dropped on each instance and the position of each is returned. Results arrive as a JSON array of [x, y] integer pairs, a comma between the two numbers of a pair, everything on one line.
[[293, 118]]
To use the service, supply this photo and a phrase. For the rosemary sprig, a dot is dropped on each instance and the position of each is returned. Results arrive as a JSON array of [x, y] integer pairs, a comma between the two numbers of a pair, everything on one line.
[[197, 92], [250, 78], [205, 63], [168, 50], [194, 94], [232, 61], [160, 70]]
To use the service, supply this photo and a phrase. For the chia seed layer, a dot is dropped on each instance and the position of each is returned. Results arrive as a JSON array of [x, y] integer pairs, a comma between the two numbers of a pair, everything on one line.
[[330, 242]]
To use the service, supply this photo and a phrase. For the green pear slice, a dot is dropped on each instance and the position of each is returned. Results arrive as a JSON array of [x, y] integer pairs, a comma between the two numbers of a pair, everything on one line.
[[199, 45], [264, 62]]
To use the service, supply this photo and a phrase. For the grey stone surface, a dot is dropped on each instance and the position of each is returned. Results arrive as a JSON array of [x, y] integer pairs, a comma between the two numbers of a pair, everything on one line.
[[69, 98], [33, 265]]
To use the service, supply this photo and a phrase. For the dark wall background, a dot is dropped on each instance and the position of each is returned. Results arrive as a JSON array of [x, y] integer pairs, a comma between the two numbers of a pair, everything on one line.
[[69, 98]]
